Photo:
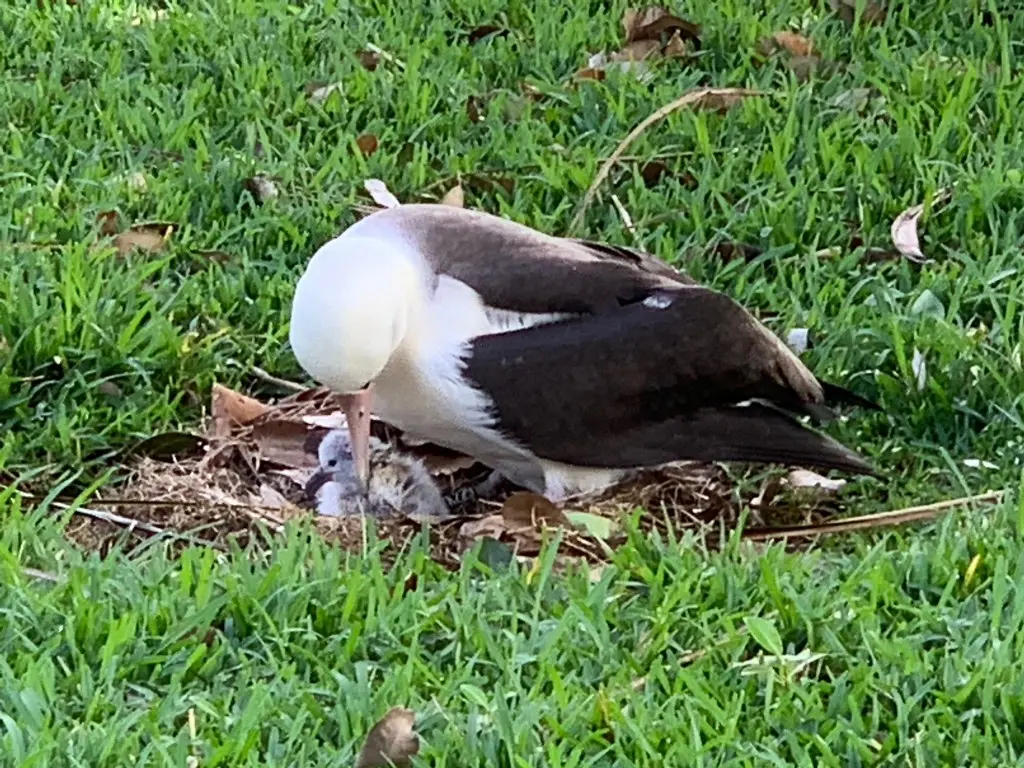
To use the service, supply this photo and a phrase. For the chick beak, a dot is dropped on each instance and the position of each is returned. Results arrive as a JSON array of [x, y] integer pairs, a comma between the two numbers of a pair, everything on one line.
[[317, 481], [356, 407]]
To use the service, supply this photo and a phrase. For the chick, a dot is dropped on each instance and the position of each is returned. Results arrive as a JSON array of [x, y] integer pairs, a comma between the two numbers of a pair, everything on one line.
[[398, 484]]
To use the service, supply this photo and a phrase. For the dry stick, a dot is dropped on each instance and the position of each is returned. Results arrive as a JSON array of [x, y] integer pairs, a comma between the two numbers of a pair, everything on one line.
[[270, 378], [687, 99], [905, 515]]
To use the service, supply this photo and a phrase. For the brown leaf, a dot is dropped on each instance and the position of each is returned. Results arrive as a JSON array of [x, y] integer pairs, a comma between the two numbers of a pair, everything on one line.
[[484, 30], [392, 741], [675, 48], [729, 251], [283, 442], [652, 22], [230, 408], [454, 197], [796, 44], [369, 59], [720, 99], [262, 188], [473, 109], [590, 73], [638, 50], [803, 66], [110, 223], [531, 510], [847, 11], [148, 238], [367, 144]]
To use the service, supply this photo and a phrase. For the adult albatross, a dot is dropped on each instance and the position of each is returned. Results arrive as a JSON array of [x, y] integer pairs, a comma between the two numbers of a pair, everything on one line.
[[563, 364]]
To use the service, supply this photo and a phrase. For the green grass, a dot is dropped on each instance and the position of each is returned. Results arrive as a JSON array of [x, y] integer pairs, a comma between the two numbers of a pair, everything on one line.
[[921, 662]]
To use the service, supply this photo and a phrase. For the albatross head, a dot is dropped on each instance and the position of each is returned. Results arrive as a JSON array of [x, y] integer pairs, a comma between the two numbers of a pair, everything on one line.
[[350, 314]]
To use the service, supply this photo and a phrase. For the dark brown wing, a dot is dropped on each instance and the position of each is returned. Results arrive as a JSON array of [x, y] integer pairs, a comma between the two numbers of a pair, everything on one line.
[[516, 268], [684, 374]]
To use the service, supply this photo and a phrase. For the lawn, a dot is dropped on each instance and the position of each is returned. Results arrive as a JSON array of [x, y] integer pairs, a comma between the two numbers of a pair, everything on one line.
[[896, 647]]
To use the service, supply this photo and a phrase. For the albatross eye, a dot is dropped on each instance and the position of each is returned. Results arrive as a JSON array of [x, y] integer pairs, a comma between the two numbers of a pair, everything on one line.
[[332, 463]]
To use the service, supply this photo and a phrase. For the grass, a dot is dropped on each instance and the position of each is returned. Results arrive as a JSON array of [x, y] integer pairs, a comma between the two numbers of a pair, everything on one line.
[[920, 629]]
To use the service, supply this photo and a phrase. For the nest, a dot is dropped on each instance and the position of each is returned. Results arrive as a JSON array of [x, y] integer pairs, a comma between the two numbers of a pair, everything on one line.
[[241, 477]]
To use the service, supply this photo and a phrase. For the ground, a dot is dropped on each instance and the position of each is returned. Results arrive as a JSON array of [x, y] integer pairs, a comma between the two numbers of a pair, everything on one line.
[[900, 647]]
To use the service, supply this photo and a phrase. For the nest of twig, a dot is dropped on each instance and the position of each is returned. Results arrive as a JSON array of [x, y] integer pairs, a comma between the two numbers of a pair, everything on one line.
[[241, 477]]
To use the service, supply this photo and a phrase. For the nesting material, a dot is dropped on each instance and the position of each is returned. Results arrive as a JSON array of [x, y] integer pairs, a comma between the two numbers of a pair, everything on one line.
[[246, 471]]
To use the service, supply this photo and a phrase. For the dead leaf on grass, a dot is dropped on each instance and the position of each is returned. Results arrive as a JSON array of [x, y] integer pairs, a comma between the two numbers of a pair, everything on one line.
[[230, 408], [219, 257], [367, 144], [167, 446], [148, 238], [483, 31], [798, 339], [110, 223], [847, 11], [525, 509], [474, 106], [391, 742], [110, 389], [380, 193], [904, 229], [454, 197], [650, 33], [262, 188], [798, 50], [653, 22], [369, 59]]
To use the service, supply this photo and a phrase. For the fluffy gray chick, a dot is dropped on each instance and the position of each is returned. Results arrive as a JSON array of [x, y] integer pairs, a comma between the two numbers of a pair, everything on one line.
[[398, 484]]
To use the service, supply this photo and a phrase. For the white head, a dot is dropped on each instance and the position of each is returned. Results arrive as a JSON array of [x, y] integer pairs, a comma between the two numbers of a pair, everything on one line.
[[352, 309]]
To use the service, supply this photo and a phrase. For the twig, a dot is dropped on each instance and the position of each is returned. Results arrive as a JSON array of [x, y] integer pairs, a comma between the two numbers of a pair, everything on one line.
[[35, 573], [270, 378], [687, 99], [905, 515], [627, 221]]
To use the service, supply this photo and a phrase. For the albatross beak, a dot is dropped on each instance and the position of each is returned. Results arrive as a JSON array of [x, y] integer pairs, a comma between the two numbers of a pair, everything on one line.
[[357, 413]]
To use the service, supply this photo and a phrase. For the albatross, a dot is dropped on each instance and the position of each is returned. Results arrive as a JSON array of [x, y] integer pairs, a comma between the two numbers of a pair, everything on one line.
[[562, 364]]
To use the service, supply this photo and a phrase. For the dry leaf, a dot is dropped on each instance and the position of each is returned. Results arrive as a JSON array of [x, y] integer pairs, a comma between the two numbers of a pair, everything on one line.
[[149, 238], [320, 92], [110, 223], [392, 741], [369, 59], [803, 66], [220, 257], [675, 48], [380, 193], [367, 144], [272, 498], [229, 408], [283, 442], [262, 188], [454, 197], [720, 99], [796, 44], [652, 22], [528, 509], [803, 478], [590, 73], [904, 229], [846, 10], [484, 30], [473, 109], [637, 50]]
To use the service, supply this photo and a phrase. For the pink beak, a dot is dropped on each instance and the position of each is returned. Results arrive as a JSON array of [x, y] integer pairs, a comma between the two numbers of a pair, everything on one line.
[[356, 408]]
